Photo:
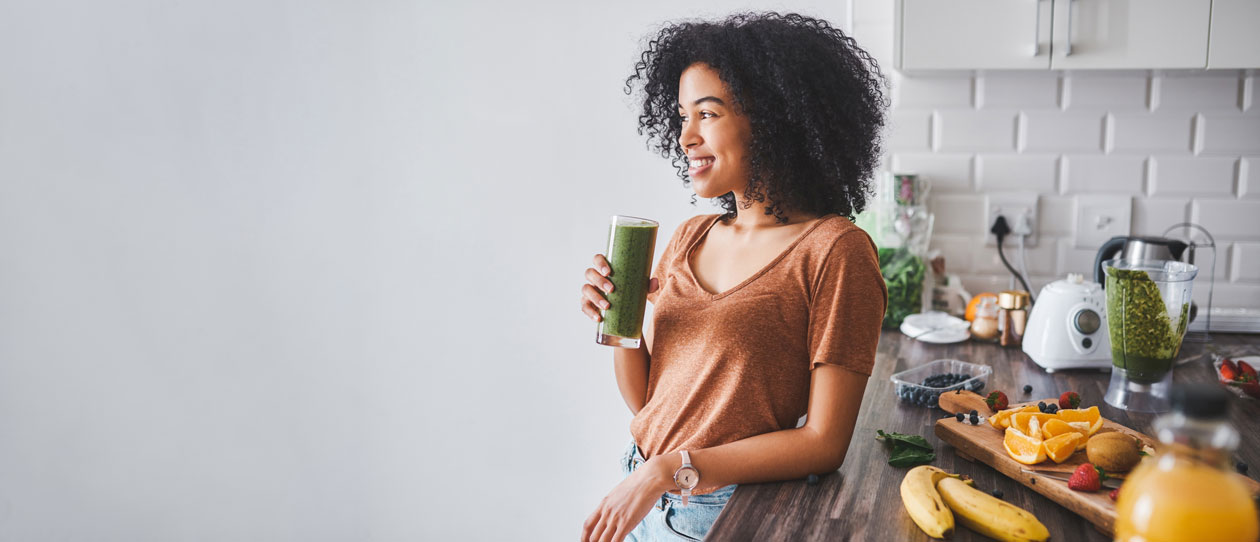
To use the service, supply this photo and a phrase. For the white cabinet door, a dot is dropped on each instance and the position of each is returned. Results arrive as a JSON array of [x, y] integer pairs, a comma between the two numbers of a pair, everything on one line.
[[973, 34], [1119, 34], [1235, 40]]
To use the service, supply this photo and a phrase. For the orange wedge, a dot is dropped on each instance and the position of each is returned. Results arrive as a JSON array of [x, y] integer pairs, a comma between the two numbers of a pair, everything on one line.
[[1056, 427], [1086, 415], [1002, 418], [1024, 422], [1059, 448], [1023, 448]]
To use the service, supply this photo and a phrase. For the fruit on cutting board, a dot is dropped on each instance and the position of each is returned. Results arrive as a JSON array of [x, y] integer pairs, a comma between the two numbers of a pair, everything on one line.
[[924, 503], [1061, 447], [1114, 451], [1002, 419], [988, 515], [1024, 448], [1086, 477]]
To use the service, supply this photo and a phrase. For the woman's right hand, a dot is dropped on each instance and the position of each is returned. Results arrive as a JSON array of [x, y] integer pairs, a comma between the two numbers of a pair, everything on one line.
[[598, 285]]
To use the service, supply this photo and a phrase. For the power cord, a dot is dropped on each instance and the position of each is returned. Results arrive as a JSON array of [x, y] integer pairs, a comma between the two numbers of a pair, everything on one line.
[[1001, 229]]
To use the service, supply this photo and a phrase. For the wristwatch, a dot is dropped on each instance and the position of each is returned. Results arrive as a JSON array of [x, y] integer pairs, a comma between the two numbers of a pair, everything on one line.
[[686, 477]]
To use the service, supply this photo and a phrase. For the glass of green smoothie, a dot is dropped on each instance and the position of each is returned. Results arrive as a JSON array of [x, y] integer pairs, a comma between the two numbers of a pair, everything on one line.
[[631, 244], [1148, 309]]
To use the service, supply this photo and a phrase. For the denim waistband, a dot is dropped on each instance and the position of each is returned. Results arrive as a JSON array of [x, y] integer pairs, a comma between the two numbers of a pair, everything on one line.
[[634, 457]]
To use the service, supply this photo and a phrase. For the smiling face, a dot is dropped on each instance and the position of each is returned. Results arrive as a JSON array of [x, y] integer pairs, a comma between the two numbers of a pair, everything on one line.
[[715, 137]]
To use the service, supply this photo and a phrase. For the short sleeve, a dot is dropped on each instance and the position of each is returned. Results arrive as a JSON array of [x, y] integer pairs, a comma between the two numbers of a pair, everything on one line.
[[847, 306]]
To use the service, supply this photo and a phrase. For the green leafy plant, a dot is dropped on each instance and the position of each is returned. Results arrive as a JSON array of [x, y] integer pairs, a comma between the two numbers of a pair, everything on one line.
[[907, 450], [903, 274]]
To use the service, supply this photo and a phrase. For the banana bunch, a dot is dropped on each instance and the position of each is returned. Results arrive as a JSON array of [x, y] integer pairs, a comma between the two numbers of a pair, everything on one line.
[[932, 497]]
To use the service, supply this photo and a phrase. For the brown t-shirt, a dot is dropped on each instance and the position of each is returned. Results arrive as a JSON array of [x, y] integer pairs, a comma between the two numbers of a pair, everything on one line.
[[729, 366]]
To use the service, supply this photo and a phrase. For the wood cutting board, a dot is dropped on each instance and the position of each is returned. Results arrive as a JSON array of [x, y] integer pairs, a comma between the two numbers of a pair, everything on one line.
[[984, 443]]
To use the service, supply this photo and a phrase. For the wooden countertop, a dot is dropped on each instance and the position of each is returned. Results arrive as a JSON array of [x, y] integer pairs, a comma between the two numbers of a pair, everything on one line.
[[861, 501]]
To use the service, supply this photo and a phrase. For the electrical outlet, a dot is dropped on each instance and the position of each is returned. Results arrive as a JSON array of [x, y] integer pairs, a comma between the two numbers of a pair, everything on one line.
[[1099, 218], [1012, 205]]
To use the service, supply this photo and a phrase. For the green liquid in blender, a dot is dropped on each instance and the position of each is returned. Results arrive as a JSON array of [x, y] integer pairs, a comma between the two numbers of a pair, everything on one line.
[[1143, 340]]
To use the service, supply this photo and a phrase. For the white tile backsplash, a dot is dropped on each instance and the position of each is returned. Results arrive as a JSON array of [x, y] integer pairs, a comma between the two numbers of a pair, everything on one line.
[[1198, 91], [1153, 216], [1245, 262], [1227, 219], [932, 92], [946, 172], [1022, 90], [1017, 172], [1056, 215], [957, 213], [959, 130], [1110, 91], [1210, 176], [1223, 133], [1055, 131], [1146, 132], [909, 130], [1103, 174], [1249, 177]]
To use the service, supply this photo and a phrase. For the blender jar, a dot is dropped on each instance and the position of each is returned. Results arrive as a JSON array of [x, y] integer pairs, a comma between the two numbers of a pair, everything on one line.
[[1148, 309]]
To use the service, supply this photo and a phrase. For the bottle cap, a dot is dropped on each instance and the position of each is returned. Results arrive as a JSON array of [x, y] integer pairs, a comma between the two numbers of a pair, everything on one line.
[[1013, 299], [1200, 400]]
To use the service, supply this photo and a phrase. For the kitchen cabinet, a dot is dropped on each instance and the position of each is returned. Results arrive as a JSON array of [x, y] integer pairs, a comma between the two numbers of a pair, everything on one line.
[[974, 34], [1117, 34], [1234, 40], [1066, 34]]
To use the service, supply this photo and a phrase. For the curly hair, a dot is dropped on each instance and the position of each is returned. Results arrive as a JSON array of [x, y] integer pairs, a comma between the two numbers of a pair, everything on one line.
[[814, 99]]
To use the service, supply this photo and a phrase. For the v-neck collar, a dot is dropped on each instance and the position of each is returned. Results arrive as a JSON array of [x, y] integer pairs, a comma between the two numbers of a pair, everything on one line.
[[705, 233]]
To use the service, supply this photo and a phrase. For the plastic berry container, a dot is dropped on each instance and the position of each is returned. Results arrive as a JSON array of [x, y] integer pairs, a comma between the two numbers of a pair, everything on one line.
[[923, 385]]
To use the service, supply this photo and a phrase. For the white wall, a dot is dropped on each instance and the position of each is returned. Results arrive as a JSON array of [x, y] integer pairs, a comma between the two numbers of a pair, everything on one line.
[[310, 270], [1182, 145]]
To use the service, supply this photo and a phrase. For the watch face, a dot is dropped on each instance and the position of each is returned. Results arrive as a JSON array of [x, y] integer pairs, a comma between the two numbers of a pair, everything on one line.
[[687, 478]]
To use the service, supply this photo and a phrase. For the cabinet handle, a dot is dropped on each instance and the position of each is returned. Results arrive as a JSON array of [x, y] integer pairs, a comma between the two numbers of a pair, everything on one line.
[[1036, 48], [1068, 50]]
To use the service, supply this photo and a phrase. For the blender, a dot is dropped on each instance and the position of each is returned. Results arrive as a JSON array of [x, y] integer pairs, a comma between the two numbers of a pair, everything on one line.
[[1148, 309]]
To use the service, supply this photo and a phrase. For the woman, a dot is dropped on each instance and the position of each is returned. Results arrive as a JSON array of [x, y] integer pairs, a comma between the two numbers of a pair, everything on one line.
[[766, 312]]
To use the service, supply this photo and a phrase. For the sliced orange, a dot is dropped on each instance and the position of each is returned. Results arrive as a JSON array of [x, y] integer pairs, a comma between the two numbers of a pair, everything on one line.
[[1002, 418], [1024, 421], [1055, 427], [1082, 415], [1023, 448], [1059, 448]]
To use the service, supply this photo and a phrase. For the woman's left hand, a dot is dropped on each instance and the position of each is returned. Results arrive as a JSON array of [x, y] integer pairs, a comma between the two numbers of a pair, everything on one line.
[[626, 505]]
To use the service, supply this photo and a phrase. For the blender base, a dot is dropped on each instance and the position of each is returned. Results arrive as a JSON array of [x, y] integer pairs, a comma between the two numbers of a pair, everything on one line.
[[1137, 397]]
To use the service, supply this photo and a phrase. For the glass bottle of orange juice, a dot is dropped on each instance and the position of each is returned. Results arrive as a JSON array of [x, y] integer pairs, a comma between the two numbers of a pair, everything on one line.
[[1187, 492]]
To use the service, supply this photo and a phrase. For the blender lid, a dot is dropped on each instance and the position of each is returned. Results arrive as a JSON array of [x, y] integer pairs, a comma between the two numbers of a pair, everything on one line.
[[1158, 270]]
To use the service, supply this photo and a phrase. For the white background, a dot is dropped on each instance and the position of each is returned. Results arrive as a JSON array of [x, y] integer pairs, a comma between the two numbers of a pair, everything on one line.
[[310, 270]]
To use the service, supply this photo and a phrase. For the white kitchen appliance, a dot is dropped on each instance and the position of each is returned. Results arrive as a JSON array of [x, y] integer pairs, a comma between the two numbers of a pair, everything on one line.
[[1067, 328]]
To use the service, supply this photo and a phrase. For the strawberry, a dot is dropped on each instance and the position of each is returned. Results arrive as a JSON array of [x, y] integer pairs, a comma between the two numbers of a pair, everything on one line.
[[1229, 371], [1069, 399], [1252, 388], [1114, 493], [1086, 478], [997, 401], [1246, 369]]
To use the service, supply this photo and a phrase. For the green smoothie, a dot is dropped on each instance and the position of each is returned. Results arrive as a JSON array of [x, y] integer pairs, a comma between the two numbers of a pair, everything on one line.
[[631, 244], [1144, 340]]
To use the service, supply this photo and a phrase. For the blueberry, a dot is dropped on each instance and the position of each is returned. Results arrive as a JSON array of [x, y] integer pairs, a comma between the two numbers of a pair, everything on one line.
[[959, 416], [997, 493], [1051, 409], [1027, 388], [975, 420], [965, 376], [1240, 467], [974, 412], [1041, 406], [812, 480]]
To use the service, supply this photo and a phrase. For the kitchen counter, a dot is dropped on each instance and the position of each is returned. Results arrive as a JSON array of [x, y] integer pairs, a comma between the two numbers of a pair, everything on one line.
[[861, 501]]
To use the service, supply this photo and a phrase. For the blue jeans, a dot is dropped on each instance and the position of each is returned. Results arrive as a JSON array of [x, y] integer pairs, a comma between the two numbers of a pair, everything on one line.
[[669, 519]]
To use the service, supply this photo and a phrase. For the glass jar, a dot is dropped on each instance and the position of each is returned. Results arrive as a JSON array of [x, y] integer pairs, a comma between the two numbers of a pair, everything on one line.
[[985, 325], [1187, 492], [1012, 317]]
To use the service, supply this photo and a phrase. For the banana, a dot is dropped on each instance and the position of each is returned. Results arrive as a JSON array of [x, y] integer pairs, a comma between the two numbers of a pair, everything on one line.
[[924, 503], [989, 515]]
